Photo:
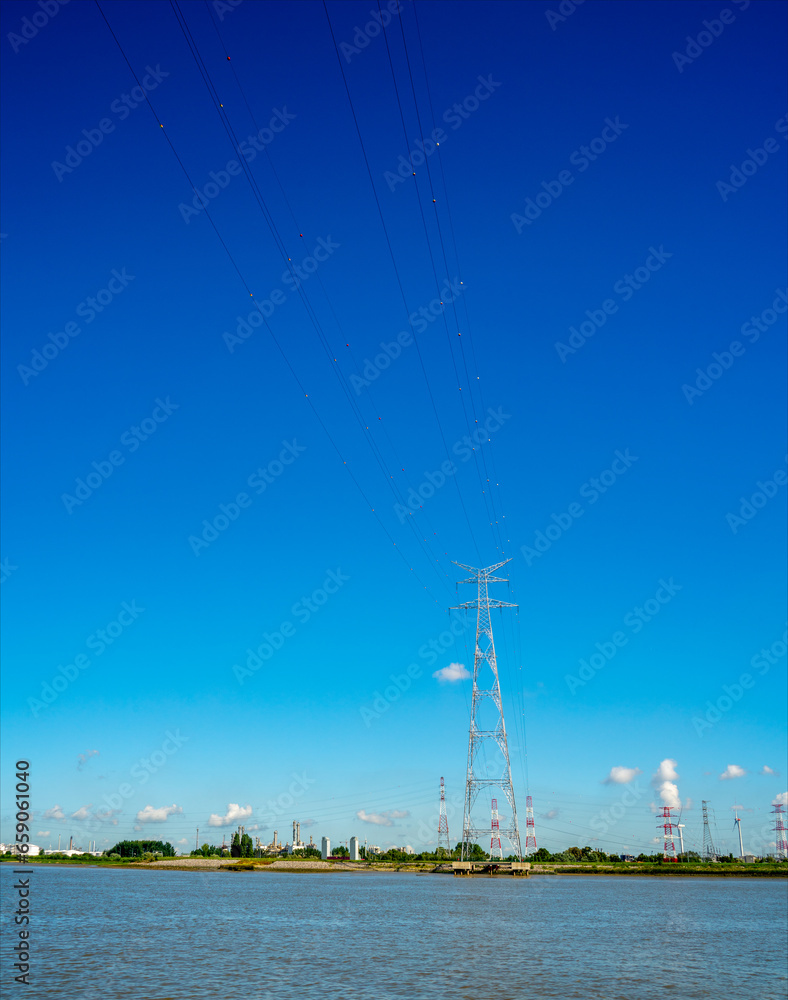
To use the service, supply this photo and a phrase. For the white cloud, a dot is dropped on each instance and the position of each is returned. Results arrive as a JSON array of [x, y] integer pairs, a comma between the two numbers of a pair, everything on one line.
[[621, 775], [235, 812], [665, 772], [83, 813], [767, 770], [382, 819], [151, 815], [454, 672], [85, 757], [56, 812], [732, 771], [43, 833], [688, 804], [550, 814], [184, 840], [664, 781], [781, 800]]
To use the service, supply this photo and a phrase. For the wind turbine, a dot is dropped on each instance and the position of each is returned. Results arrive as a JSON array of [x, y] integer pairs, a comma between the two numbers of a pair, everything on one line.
[[737, 823]]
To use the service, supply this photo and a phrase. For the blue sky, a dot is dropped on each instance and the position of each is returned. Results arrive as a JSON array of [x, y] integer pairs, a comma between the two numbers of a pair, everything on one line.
[[610, 184]]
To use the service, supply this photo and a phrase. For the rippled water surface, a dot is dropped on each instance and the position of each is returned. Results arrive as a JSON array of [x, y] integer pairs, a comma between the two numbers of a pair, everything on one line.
[[101, 934]]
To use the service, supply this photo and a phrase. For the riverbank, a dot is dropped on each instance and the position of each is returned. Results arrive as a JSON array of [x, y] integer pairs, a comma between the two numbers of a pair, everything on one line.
[[311, 865]]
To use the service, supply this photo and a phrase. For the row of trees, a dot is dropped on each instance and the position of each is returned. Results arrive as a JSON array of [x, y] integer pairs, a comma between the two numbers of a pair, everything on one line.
[[138, 848]]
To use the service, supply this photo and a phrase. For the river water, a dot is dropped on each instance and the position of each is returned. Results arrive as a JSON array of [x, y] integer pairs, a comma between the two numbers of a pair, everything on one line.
[[104, 934]]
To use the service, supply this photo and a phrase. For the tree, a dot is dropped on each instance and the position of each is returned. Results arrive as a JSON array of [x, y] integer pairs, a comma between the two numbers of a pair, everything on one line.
[[235, 845], [341, 851], [247, 846], [542, 855], [136, 848]]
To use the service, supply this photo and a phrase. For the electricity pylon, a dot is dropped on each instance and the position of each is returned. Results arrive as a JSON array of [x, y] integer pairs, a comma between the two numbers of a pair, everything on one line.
[[709, 852], [443, 825], [486, 726]]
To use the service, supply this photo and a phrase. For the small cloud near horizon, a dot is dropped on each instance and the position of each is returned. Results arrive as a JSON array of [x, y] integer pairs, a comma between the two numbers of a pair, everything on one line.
[[767, 770], [235, 812], [621, 775], [454, 672], [85, 757], [160, 815], [382, 819], [732, 771]]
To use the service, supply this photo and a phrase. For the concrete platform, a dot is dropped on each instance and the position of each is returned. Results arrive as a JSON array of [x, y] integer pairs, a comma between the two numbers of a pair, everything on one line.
[[518, 869]]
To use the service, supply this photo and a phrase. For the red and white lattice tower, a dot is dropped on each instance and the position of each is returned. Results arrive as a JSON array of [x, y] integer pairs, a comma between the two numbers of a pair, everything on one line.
[[780, 842], [666, 822], [530, 829], [495, 832], [443, 825]]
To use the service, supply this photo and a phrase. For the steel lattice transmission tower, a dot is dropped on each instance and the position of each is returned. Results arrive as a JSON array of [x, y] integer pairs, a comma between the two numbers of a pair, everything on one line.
[[780, 843], [530, 829], [666, 822], [443, 825], [487, 727], [708, 844], [495, 832]]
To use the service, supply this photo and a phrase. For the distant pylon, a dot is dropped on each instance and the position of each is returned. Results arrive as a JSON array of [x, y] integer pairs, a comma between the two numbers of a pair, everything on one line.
[[667, 824], [486, 725], [495, 832], [780, 842], [709, 853], [443, 824], [530, 829]]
